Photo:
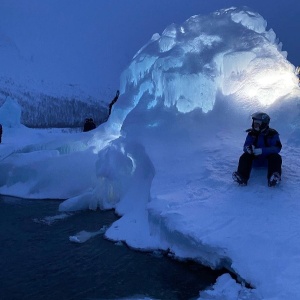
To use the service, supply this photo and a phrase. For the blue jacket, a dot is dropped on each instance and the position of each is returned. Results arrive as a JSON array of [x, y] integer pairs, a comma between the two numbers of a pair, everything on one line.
[[268, 141]]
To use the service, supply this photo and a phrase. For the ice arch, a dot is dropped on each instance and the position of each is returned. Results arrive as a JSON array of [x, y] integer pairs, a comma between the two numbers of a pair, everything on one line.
[[229, 52]]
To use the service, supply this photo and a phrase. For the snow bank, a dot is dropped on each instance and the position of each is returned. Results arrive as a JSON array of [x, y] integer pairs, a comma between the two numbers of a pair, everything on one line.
[[10, 113]]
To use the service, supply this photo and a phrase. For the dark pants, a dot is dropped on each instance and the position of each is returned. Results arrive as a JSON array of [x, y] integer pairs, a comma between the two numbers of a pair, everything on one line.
[[246, 160]]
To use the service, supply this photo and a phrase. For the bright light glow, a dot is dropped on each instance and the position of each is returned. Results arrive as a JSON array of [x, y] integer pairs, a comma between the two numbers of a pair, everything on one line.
[[179, 70], [267, 86]]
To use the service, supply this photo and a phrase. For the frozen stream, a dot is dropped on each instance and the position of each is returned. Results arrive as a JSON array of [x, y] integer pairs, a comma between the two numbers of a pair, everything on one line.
[[38, 261]]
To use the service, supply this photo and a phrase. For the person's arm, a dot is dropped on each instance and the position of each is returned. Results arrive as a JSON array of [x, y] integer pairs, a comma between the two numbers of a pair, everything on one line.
[[113, 102], [116, 98], [248, 144], [274, 145]]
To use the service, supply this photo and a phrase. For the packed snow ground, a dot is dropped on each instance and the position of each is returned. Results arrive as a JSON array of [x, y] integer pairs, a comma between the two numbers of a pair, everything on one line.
[[164, 159]]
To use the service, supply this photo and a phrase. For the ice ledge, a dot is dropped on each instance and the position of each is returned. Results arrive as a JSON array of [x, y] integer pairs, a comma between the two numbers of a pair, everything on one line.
[[184, 244], [167, 231]]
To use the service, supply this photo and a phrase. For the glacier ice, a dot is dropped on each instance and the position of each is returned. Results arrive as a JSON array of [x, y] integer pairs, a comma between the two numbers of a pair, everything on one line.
[[228, 51]]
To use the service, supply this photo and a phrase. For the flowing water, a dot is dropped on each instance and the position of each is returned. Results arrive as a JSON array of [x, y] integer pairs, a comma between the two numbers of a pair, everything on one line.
[[38, 260]]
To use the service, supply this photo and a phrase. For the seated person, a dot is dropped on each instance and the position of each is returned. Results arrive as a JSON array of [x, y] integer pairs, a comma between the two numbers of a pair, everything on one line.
[[261, 147]]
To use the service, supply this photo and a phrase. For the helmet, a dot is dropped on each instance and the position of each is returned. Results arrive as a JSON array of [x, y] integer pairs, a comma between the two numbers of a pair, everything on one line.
[[262, 119]]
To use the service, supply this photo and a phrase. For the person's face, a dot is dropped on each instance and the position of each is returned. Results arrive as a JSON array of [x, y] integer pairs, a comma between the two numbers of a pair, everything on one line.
[[256, 125]]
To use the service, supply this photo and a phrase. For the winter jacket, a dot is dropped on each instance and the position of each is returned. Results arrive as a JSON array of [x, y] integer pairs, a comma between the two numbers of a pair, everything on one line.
[[268, 141]]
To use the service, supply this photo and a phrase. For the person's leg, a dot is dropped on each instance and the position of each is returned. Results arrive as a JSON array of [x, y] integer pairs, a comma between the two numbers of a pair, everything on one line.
[[274, 164], [245, 166]]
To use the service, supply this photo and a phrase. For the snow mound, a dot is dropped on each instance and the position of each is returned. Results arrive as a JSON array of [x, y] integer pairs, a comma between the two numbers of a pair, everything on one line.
[[10, 113]]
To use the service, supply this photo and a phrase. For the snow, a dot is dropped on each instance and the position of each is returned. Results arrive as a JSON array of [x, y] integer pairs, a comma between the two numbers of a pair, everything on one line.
[[10, 113], [164, 159]]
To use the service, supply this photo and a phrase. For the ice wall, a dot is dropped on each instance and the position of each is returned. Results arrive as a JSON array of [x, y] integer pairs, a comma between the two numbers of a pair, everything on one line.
[[229, 52]]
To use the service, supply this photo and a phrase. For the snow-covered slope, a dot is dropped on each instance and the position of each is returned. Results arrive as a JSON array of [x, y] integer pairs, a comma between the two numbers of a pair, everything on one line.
[[47, 104], [44, 103]]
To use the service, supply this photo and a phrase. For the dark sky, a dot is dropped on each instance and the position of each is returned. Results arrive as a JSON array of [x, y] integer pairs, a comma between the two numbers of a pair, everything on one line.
[[92, 41]]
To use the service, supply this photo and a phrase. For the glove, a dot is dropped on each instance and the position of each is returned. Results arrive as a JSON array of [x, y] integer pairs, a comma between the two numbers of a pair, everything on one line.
[[257, 151], [249, 150]]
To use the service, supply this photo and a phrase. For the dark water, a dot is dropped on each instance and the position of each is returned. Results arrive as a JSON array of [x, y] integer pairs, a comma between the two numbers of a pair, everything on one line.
[[37, 260]]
